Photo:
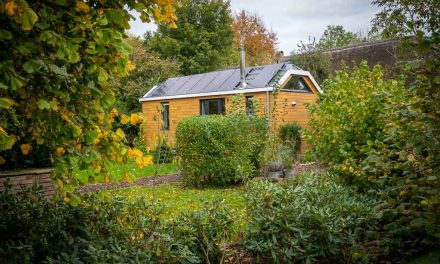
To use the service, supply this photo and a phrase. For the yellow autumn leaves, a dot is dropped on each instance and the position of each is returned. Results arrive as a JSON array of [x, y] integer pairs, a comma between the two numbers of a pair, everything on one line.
[[22, 13], [81, 6], [140, 160], [134, 119]]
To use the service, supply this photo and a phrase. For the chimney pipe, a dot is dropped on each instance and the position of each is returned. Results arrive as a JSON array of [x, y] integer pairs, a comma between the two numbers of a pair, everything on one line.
[[243, 83]]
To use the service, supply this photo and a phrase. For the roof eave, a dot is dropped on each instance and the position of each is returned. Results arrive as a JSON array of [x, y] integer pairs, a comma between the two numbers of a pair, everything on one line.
[[238, 91]]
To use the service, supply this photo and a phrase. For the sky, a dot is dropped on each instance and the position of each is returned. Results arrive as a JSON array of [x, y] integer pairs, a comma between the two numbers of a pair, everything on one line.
[[296, 20]]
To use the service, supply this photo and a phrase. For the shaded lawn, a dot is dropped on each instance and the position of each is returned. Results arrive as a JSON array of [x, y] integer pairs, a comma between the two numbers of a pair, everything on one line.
[[177, 199], [117, 172]]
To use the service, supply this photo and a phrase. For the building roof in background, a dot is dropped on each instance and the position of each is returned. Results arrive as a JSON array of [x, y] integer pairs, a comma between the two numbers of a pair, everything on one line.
[[220, 81]]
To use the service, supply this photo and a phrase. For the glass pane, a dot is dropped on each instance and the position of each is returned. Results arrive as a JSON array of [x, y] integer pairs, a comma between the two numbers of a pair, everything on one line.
[[297, 83], [249, 106], [165, 116], [213, 107]]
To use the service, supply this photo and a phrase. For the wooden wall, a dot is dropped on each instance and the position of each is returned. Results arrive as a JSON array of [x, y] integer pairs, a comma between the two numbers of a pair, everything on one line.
[[187, 107]]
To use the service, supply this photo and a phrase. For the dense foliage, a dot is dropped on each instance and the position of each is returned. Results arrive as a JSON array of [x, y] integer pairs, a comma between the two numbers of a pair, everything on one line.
[[336, 36], [402, 157], [408, 160], [163, 153], [311, 57], [149, 70], [259, 41], [308, 218], [290, 135], [347, 121], [56, 59], [203, 38], [108, 230], [218, 150]]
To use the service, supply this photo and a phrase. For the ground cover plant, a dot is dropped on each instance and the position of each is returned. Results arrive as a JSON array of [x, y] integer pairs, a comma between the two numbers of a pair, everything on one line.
[[108, 230], [309, 218]]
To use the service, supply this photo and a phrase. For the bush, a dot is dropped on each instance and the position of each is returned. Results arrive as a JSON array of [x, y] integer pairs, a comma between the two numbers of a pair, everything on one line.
[[347, 120], [217, 150], [290, 135], [163, 153], [110, 230], [308, 218]]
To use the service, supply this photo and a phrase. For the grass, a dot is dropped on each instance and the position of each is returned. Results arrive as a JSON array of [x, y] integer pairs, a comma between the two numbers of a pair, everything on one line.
[[117, 172], [177, 199]]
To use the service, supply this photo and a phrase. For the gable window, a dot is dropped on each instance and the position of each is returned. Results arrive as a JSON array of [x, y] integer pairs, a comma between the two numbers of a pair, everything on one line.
[[165, 115], [212, 106], [297, 83], [249, 105]]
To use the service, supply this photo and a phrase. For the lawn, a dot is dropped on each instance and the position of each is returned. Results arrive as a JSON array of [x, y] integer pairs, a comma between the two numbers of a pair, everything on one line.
[[117, 172], [176, 198]]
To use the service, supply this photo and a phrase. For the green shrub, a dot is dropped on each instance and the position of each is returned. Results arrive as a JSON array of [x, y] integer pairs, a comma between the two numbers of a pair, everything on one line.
[[290, 135], [218, 150], [163, 153], [347, 120], [107, 230], [308, 218]]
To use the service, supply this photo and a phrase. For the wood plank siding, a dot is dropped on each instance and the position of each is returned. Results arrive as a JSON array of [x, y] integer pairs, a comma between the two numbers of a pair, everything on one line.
[[180, 109]]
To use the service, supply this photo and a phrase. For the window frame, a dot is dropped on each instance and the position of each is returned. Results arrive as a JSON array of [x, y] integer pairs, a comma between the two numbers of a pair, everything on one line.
[[220, 107], [165, 122], [250, 105], [308, 90]]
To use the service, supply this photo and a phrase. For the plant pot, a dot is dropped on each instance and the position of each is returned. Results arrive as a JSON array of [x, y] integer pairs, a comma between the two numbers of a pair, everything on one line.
[[275, 166], [275, 174], [289, 173]]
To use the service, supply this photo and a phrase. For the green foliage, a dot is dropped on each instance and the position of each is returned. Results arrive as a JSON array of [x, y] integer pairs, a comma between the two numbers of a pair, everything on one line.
[[149, 71], [218, 150], [56, 61], [108, 230], [312, 58], [337, 36], [407, 159], [406, 18], [203, 39], [306, 219], [290, 135], [347, 120], [163, 153]]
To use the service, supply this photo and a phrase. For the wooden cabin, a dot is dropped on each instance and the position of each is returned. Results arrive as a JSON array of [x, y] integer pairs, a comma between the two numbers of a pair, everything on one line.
[[213, 93]]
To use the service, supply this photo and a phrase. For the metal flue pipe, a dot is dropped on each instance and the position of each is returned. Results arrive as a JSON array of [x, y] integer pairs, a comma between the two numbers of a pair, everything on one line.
[[243, 83]]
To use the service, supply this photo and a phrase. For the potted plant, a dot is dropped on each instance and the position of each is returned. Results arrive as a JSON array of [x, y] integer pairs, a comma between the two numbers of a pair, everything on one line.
[[288, 160]]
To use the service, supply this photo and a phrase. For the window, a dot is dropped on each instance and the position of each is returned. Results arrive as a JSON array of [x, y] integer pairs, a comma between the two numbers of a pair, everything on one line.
[[249, 105], [297, 83], [212, 106], [165, 115]]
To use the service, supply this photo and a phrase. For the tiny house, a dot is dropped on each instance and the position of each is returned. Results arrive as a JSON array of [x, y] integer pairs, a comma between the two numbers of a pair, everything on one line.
[[212, 93]]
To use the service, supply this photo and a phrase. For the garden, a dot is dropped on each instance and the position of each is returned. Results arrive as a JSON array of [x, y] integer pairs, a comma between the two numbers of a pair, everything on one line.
[[359, 184]]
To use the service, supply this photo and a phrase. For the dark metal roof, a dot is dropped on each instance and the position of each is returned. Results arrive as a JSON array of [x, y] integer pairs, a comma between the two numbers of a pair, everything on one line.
[[221, 81]]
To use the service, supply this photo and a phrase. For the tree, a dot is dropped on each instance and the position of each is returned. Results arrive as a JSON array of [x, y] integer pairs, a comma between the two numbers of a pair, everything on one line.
[[203, 39], [311, 57], [56, 59], [150, 70], [260, 42], [337, 36], [404, 18], [408, 158]]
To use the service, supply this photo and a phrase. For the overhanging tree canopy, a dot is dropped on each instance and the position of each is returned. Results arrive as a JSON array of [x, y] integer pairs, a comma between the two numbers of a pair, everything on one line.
[[55, 61]]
